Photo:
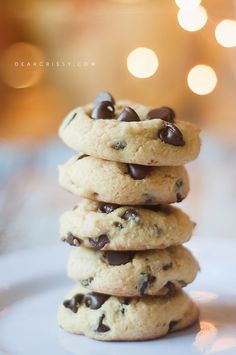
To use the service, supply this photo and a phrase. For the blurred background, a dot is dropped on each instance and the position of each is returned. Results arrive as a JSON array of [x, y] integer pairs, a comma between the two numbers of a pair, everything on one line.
[[58, 54]]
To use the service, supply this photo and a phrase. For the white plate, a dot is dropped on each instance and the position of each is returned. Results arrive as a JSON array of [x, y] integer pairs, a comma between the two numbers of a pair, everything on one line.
[[33, 283]]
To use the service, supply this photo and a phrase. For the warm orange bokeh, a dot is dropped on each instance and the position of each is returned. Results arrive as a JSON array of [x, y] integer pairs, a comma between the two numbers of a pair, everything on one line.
[[84, 46]]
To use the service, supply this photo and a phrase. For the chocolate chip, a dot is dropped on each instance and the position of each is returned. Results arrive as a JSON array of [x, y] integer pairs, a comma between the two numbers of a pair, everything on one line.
[[102, 328], [130, 214], [94, 300], [119, 145], [167, 266], [170, 134], [66, 303], [122, 309], [104, 96], [164, 113], [82, 156], [128, 115], [144, 282], [72, 240], [118, 257], [157, 229], [118, 225], [172, 324], [74, 303], [86, 282], [171, 288], [138, 172], [179, 198], [107, 207], [179, 183], [74, 208], [103, 110], [126, 301], [100, 242], [71, 119]]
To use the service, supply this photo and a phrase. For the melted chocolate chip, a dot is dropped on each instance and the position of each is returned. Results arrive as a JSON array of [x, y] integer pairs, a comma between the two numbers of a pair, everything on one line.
[[145, 281], [164, 113], [74, 303], [82, 156], [179, 198], [172, 324], [71, 119], [100, 242], [130, 214], [103, 110], [170, 134], [104, 96], [94, 300], [72, 240], [128, 115], [107, 207], [119, 145], [167, 266], [86, 282], [118, 257], [118, 225], [102, 328], [138, 172]]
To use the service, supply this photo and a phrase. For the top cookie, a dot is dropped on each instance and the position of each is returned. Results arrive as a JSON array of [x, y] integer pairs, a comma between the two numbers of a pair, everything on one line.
[[130, 133]]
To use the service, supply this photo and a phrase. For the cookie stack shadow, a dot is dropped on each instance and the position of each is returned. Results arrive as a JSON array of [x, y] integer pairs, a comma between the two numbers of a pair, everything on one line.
[[127, 260]]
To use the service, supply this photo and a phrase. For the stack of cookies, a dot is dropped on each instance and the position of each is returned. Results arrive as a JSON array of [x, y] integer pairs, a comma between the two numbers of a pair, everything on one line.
[[128, 261]]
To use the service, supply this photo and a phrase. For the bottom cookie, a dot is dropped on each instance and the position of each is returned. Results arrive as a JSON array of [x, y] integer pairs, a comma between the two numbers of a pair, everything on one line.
[[106, 317]]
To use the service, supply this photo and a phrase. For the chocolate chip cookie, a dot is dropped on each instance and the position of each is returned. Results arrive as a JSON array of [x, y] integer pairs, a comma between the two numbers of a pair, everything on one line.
[[130, 273], [130, 133], [127, 257], [121, 183], [106, 317], [125, 227]]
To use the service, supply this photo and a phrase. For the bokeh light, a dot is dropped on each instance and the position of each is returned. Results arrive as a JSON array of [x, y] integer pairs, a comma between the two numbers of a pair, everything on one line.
[[142, 62], [206, 336], [187, 4], [21, 65], [202, 79], [223, 345], [226, 33], [192, 19], [130, 1]]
